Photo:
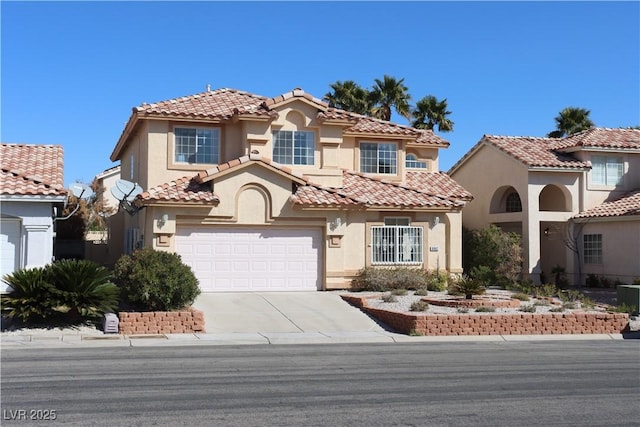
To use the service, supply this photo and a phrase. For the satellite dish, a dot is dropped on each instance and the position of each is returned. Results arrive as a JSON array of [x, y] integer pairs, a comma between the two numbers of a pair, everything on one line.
[[126, 192], [80, 190]]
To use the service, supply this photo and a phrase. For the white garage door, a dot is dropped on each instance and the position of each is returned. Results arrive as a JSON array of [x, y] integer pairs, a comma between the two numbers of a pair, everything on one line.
[[251, 259], [9, 248]]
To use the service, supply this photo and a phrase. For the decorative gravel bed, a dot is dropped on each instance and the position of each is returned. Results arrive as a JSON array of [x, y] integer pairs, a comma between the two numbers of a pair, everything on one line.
[[402, 304]]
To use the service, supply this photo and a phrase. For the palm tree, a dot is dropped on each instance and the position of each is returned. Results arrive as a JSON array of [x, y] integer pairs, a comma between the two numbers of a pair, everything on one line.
[[349, 96], [387, 93], [430, 112], [571, 120]]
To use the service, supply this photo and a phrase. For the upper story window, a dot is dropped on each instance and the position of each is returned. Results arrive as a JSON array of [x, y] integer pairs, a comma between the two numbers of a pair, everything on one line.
[[378, 158], [197, 145], [607, 170], [513, 203], [411, 161], [293, 147]]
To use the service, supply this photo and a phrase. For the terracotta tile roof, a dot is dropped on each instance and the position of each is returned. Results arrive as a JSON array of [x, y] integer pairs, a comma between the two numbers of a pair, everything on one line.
[[438, 183], [218, 104], [367, 192], [186, 189], [601, 138], [626, 205], [535, 152], [29, 169], [224, 104], [202, 176]]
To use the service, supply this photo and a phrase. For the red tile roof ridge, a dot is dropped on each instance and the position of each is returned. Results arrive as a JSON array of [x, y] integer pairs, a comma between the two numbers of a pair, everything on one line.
[[192, 190], [294, 93], [145, 105]]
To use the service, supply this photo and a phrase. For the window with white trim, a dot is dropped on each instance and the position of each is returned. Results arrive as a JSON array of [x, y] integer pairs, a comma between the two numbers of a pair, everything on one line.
[[197, 145], [592, 246], [412, 162], [293, 147], [380, 158], [607, 170], [396, 242]]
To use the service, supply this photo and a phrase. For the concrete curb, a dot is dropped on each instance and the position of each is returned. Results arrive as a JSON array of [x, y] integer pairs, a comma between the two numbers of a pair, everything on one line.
[[277, 338]]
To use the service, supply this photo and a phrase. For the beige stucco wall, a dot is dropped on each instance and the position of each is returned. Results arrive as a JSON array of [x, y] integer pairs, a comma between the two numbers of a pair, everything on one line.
[[620, 249]]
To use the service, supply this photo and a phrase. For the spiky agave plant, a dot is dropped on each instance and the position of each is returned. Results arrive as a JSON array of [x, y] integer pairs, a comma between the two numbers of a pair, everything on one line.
[[31, 297], [86, 287]]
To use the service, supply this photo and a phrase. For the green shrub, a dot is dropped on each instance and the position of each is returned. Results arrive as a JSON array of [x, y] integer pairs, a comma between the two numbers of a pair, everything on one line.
[[468, 287], [569, 305], [399, 292], [520, 296], [462, 310], [485, 309], [436, 281], [593, 281], [419, 306], [546, 290], [31, 297], [542, 303], [498, 251], [557, 309], [528, 308], [389, 298], [154, 280], [560, 276], [423, 291], [67, 291], [624, 308], [374, 279], [86, 287], [572, 295]]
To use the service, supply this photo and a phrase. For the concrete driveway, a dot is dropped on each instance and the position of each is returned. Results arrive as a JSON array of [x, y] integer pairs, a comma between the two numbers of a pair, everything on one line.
[[281, 312]]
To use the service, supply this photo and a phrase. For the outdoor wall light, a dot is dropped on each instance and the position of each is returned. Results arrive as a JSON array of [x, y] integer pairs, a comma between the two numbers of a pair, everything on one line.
[[163, 220], [436, 221]]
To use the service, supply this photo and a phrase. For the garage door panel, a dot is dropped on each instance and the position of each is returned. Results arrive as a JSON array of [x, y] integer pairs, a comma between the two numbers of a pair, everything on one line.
[[245, 259]]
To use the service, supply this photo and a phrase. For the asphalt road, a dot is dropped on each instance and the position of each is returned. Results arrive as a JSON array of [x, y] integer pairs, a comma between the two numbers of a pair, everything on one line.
[[581, 383]]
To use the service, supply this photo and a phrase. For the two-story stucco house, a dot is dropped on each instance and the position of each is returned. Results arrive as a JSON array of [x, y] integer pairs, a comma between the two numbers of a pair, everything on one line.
[[31, 186], [574, 200], [286, 193]]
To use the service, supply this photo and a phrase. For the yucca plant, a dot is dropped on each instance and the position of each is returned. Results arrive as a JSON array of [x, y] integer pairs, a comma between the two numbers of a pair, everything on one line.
[[86, 287], [32, 296], [468, 287]]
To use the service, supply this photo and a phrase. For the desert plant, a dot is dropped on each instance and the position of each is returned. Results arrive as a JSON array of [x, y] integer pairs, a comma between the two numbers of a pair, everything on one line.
[[384, 279], [371, 279], [85, 286], [624, 308], [419, 306], [557, 309], [468, 287], [389, 298], [155, 280], [485, 309], [520, 296], [542, 303], [32, 296], [423, 291], [462, 310], [546, 290], [572, 295], [559, 276], [569, 305], [399, 292], [529, 308], [436, 281], [587, 303]]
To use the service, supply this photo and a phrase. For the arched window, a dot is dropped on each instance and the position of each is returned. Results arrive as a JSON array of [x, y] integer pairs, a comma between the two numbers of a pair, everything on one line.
[[411, 161], [513, 203]]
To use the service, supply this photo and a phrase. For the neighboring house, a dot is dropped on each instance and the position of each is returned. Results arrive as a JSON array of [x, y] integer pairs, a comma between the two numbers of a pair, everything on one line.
[[574, 200], [31, 186], [106, 180], [286, 193]]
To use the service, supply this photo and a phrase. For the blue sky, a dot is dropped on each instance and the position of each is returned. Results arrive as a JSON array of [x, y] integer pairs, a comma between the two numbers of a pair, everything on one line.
[[72, 71]]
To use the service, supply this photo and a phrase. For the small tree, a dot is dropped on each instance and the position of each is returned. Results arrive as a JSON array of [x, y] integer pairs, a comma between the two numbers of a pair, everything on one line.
[[492, 255]]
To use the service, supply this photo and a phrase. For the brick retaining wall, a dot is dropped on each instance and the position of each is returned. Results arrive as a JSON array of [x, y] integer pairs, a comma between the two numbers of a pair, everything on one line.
[[497, 324], [161, 322]]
